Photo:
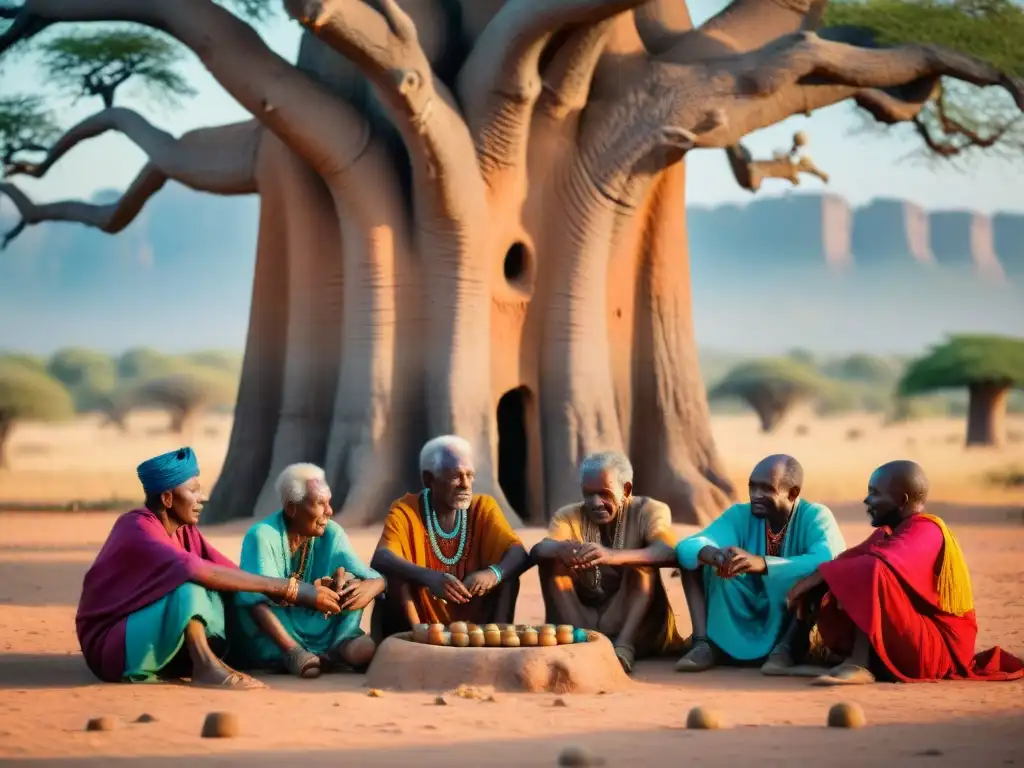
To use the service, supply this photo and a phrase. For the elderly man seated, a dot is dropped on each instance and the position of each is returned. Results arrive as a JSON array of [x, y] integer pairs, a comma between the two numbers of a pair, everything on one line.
[[599, 563], [152, 605], [737, 571], [900, 605], [301, 541], [448, 555]]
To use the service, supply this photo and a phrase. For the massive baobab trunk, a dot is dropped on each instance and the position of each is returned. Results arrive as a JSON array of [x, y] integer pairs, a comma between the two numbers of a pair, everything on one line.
[[469, 205]]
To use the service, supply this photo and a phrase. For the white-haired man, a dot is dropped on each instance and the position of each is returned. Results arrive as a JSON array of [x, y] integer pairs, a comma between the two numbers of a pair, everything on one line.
[[599, 563], [448, 554], [301, 541]]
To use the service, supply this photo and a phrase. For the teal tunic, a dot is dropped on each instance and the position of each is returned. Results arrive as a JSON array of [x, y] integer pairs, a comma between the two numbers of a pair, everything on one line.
[[265, 551], [153, 635], [746, 612]]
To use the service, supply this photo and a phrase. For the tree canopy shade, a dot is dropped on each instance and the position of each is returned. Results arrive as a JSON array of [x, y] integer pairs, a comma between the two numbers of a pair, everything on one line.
[[771, 386], [25, 126], [27, 394], [97, 63], [960, 116], [183, 394], [988, 366], [462, 199], [90, 376]]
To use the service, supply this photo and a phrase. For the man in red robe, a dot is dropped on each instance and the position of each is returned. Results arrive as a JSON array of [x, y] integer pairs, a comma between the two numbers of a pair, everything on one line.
[[899, 605]]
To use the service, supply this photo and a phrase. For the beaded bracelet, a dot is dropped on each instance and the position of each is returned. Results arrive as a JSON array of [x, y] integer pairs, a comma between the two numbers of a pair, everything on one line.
[[496, 571]]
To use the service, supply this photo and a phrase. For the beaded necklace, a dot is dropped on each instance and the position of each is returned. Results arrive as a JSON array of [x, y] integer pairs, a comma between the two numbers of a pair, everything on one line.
[[592, 534], [434, 530], [289, 557], [773, 541]]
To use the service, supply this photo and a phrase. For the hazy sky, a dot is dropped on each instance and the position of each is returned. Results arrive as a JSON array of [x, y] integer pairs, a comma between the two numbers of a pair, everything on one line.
[[862, 166]]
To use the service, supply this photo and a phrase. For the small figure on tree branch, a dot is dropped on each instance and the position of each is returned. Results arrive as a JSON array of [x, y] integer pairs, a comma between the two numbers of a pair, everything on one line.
[[785, 165]]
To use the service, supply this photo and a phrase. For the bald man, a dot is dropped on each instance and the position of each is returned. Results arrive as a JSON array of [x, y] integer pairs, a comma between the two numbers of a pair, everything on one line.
[[737, 571], [899, 605]]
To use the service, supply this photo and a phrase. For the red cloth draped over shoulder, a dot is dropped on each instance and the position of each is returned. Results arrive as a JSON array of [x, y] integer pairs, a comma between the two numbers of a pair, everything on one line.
[[887, 588], [137, 565]]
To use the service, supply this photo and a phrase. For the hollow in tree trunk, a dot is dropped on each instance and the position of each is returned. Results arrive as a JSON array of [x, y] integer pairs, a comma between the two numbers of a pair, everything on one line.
[[986, 413]]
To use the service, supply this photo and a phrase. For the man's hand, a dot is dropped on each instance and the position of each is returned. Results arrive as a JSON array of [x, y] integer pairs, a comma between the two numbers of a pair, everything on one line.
[[359, 593], [795, 597], [444, 586], [591, 554], [740, 561], [325, 600], [714, 557], [480, 583], [567, 551]]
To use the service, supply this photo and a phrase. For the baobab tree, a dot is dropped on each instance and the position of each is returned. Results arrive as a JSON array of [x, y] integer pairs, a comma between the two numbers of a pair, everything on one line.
[[476, 207]]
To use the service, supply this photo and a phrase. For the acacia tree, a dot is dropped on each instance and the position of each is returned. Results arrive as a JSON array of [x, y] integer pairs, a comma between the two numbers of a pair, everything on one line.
[[771, 387], [28, 394], [98, 63], [470, 198], [25, 126], [988, 366]]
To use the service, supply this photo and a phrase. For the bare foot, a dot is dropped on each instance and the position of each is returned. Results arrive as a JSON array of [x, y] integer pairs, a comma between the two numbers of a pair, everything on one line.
[[699, 658], [779, 662], [847, 674], [222, 676]]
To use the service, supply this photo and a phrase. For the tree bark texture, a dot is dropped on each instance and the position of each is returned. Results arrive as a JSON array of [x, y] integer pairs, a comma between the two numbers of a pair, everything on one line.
[[986, 413], [474, 202]]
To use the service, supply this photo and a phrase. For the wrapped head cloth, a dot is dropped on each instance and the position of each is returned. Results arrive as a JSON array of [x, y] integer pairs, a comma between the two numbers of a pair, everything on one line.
[[168, 471]]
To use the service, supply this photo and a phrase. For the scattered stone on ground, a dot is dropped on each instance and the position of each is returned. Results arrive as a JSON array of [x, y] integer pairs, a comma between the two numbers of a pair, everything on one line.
[[440, 701], [104, 723], [578, 757], [221, 725], [846, 715], [375, 693], [930, 752], [560, 702], [474, 692], [145, 717], [704, 719]]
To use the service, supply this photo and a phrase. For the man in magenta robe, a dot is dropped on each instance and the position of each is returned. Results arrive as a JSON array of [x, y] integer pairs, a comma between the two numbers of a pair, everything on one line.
[[151, 605], [899, 605]]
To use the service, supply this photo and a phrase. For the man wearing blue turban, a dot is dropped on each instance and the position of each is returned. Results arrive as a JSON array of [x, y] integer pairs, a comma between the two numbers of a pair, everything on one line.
[[152, 605]]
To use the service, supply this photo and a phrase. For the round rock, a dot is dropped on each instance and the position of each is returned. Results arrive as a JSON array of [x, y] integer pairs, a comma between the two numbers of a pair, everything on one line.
[[588, 667], [145, 718], [221, 725], [846, 715], [703, 719], [104, 723]]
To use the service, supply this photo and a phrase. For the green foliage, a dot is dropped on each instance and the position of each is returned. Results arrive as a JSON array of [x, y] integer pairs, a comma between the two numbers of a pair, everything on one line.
[[90, 376], [777, 378], [1011, 477], [95, 63], [965, 116], [182, 394], [25, 126], [143, 363], [34, 362], [31, 395], [867, 369], [254, 10], [965, 360], [220, 360]]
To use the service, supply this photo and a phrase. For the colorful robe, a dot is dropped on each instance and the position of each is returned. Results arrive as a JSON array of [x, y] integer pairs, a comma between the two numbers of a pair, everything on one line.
[[138, 565], [265, 552], [746, 613], [908, 590], [489, 537], [646, 522]]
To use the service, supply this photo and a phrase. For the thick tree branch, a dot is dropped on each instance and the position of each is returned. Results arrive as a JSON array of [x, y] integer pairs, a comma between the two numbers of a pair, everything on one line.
[[750, 173], [110, 218], [745, 25], [568, 77], [385, 45], [221, 160], [500, 81], [319, 127]]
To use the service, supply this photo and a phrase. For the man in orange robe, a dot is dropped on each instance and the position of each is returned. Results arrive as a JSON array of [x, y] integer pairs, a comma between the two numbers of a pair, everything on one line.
[[899, 605], [447, 554]]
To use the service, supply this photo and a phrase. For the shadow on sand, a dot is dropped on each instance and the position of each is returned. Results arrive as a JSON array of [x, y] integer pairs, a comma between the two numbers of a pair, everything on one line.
[[36, 583], [44, 670]]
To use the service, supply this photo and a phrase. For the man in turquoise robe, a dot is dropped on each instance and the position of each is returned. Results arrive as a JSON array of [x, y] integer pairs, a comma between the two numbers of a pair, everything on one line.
[[301, 540], [737, 572]]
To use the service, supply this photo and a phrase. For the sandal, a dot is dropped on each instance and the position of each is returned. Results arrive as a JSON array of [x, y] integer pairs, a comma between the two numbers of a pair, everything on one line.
[[699, 658], [846, 674], [301, 663], [235, 681], [626, 656]]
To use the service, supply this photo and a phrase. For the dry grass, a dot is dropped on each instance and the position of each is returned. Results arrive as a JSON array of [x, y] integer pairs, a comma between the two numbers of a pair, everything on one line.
[[80, 461]]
